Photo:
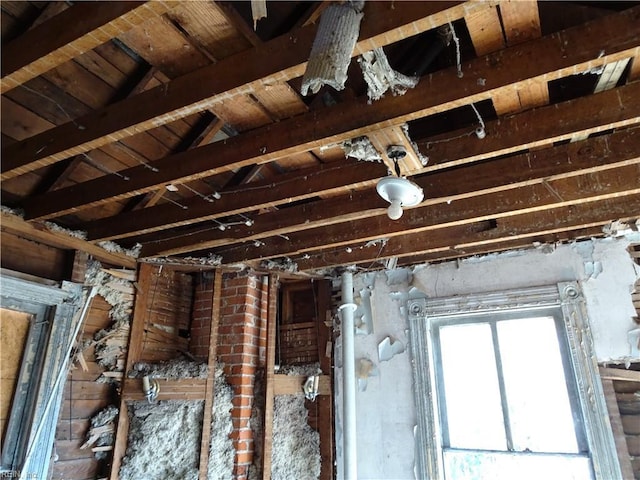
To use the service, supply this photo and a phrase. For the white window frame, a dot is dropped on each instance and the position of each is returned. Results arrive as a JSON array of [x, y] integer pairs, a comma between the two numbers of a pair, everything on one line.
[[566, 295]]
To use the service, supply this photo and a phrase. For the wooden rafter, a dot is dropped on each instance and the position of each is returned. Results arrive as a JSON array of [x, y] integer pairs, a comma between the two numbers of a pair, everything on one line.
[[485, 233], [592, 188], [595, 154], [438, 92], [38, 232], [203, 88], [69, 34]]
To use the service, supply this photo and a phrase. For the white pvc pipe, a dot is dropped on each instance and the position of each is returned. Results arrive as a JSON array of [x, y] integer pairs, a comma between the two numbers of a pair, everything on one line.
[[348, 379]]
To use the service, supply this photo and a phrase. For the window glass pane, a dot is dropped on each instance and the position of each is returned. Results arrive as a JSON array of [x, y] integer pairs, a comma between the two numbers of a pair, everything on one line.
[[469, 465], [472, 393], [539, 408]]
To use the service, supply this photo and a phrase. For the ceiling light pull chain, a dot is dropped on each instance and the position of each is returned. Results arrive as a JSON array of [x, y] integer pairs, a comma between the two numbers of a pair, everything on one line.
[[456, 40]]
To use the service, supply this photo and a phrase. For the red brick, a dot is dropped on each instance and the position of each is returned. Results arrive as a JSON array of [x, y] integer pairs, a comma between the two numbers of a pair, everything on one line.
[[244, 458], [242, 401]]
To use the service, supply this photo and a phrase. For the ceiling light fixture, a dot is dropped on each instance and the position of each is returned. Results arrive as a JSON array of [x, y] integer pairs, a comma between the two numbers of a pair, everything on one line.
[[397, 190]]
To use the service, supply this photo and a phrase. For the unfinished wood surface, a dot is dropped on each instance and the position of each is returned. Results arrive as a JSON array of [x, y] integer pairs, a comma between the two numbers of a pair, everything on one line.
[[616, 427], [270, 362], [69, 34], [34, 258], [517, 22], [211, 376], [292, 384], [595, 154], [199, 90], [316, 180], [170, 389], [83, 397], [442, 91], [479, 233], [38, 232], [592, 189], [134, 350], [395, 136], [620, 374]]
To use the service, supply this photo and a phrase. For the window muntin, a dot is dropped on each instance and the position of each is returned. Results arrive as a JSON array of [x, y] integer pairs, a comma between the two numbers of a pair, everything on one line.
[[507, 396]]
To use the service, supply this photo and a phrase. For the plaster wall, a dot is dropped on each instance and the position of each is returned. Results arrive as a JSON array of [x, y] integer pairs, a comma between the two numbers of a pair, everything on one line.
[[385, 410]]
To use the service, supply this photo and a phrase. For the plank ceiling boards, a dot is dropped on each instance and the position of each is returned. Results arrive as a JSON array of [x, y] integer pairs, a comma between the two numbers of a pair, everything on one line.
[[177, 126]]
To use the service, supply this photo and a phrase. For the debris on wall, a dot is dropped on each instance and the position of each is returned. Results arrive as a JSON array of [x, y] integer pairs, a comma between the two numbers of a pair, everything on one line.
[[365, 368], [164, 440], [363, 316], [399, 276], [362, 149], [332, 47], [619, 229], [54, 227], [102, 432], [115, 248], [424, 160], [282, 264], [221, 451], [210, 260], [170, 369], [380, 77], [117, 292], [389, 348]]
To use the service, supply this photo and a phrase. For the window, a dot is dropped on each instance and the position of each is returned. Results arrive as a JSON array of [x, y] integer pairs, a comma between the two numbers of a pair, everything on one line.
[[507, 388], [54, 317]]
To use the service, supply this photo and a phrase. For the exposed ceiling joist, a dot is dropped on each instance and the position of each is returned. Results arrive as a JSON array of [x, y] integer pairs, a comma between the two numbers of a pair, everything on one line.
[[551, 194], [551, 57], [67, 35], [294, 186], [593, 155], [16, 225], [484, 233], [202, 89]]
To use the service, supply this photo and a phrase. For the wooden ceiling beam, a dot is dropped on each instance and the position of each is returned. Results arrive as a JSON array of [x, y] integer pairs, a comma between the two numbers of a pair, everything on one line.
[[40, 233], [591, 188], [542, 126], [294, 186], [237, 74], [69, 34], [594, 154], [522, 242], [554, 56], [480, 234]]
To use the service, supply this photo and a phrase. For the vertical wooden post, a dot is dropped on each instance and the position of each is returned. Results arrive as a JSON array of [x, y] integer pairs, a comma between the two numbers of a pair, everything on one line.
[[269, 376], [616, 426], [133, 354], [325, 402], [211, 362]]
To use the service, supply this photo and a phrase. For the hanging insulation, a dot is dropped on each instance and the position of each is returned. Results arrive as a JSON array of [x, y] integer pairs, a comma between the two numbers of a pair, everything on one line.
[[332, 48]]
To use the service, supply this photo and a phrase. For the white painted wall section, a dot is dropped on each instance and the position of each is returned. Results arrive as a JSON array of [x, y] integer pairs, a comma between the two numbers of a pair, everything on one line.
[[386, 411]]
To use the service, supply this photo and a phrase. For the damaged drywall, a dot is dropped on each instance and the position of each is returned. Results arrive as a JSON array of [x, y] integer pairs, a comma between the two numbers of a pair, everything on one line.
[[164, 441], [386, 414]]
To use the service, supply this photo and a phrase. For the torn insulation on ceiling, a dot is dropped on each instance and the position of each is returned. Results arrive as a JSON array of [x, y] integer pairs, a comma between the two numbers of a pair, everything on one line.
[[380, 77], [361, 148], [332, 47]]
